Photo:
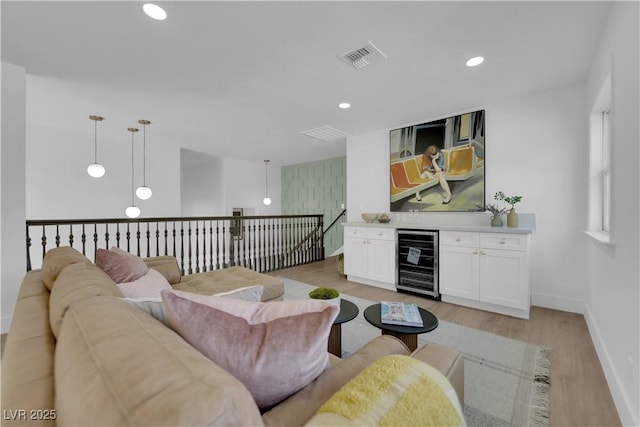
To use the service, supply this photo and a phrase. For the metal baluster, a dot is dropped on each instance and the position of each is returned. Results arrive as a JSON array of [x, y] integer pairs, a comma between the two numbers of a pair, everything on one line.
[[173, 232], [197, 248], [148, 241], [95, 240], [182, 247], [210, 245], [118, 235], [189, 246], [128, 237], [28, 249], [71, 235], [217, 245], [43, 240], [57, 236], [204, 245], [166, 236], [84, 240], [138, 239], [106, 236], [157, 238]]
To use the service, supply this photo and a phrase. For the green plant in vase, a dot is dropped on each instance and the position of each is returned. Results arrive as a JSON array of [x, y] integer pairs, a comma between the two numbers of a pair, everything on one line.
[[512, 216], [328, 294]]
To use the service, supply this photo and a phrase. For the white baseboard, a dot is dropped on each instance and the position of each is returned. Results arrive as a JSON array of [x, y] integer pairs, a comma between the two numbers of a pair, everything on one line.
[[555, 302], [5, 322], [620, 398]]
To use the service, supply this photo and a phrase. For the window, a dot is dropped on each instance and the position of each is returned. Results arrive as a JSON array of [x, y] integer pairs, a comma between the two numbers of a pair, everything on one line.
[[600, 169]]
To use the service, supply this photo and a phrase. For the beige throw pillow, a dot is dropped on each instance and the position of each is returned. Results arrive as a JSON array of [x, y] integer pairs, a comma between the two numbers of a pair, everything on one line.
[[120, 265], [273, 348]]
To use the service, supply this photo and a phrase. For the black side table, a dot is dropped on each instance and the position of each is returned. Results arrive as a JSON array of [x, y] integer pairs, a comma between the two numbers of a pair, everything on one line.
[[348, 311], [407, 334]]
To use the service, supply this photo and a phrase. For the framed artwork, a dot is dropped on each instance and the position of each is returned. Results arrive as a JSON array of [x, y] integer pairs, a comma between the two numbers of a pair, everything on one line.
[[438, 166]]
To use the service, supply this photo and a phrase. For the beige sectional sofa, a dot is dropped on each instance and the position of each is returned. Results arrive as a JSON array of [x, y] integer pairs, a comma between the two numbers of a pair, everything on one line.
[[77, 354]]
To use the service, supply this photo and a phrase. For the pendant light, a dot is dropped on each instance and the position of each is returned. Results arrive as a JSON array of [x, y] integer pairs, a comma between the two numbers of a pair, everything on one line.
[[267, 199], [95, 169], [132, 211], [143, 192]]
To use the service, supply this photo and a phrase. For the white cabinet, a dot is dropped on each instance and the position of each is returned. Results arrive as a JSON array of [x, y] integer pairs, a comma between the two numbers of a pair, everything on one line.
[[489, 271], [370, 256]]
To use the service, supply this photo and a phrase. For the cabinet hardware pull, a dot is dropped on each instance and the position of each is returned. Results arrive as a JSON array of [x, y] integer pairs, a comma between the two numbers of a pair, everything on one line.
[[474, 253], [482, 253], [457, 239], [503, 242]]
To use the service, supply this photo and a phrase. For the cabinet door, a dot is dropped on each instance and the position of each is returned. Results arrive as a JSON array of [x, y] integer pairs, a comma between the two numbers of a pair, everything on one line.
[[504, 278], [459, 268], [355, 257], [382, 261]]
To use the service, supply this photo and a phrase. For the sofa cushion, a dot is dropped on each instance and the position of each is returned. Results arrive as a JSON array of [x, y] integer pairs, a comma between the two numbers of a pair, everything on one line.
[[167, 266], [147, 286], [28, 355], [120, 265], [274, 348], [58, 258], [76, 283], [395, 390], [116, 366], [228, 279]]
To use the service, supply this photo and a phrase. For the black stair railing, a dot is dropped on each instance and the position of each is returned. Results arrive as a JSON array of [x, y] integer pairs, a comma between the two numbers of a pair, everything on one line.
[[261, 243]]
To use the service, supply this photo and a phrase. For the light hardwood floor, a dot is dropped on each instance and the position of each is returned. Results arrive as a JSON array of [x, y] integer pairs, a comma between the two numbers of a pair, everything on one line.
[[579, 392]]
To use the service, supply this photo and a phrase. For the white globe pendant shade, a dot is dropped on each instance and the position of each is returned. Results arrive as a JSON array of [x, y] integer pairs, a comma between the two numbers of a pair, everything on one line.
[[143, 192], [132, 211], [95, 170], [266, 201]]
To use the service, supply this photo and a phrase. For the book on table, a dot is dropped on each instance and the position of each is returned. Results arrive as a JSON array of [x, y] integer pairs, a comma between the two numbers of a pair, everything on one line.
[[400, 313]]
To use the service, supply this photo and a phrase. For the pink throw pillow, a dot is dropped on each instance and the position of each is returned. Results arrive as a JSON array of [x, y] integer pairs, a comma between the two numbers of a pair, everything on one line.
[[120, 265], [273, 348], [148, 286]]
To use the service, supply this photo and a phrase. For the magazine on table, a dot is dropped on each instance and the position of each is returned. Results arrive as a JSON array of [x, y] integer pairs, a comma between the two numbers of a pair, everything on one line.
[[400, 313]]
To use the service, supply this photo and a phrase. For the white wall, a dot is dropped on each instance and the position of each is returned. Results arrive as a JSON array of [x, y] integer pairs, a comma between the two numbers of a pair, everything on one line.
[[60, 145], [244, 187], [535, 148], [613, 279], [12, 182], [202, 184]]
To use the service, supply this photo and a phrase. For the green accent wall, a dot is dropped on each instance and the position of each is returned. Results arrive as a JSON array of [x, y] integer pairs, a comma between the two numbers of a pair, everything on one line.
[[317, 188]]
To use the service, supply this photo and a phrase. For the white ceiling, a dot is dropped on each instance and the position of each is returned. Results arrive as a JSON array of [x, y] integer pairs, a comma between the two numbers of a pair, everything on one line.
[[244, 79]]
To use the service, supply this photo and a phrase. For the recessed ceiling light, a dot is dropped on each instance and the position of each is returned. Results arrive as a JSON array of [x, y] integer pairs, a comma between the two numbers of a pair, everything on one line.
[[344, 105], [476, 60], [154, 11]]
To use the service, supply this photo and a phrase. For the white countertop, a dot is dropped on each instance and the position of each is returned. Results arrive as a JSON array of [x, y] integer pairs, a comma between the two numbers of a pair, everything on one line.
[[526, 225]]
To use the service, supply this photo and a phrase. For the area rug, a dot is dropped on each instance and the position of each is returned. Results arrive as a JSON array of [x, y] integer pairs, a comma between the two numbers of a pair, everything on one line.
[[506, 380]]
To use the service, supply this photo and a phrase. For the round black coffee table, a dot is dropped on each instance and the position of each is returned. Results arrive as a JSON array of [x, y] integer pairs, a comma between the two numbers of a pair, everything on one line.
[[348, 311], [407, 334]]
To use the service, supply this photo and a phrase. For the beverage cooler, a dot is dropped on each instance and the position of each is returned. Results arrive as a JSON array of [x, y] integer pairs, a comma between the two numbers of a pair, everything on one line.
[[418, 262]]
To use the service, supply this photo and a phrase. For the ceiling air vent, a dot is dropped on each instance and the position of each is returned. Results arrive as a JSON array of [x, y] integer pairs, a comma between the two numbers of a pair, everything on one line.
[[326, 133], [363, 56]]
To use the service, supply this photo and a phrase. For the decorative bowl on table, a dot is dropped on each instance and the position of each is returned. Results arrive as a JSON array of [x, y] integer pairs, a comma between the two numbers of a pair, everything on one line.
[[369, 217], [384, 218]]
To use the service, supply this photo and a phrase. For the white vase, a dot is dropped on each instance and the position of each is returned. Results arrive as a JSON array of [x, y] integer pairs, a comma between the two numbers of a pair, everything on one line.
[[334, 301]]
